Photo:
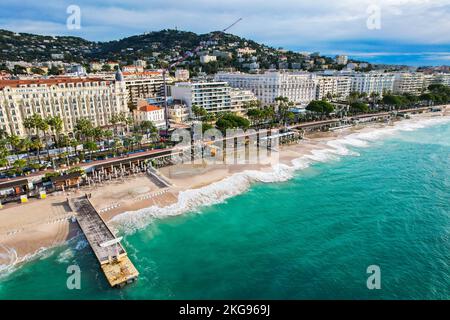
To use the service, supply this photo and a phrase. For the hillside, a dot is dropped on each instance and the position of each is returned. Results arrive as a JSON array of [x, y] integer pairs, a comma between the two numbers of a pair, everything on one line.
[[157, 48], [31, 47]]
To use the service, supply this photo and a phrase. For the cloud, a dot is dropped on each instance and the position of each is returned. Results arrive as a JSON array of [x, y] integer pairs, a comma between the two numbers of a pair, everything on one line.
[[286, 23]]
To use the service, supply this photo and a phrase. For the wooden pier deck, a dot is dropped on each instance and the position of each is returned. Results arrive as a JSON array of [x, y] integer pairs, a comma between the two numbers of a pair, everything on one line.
[[113, 259]]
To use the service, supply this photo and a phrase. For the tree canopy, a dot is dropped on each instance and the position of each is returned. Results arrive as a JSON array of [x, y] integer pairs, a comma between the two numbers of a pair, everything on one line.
[[320, 106], [231, 121]]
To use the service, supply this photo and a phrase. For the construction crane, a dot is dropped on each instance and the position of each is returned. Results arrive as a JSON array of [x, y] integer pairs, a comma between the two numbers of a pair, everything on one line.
[[182, 59]]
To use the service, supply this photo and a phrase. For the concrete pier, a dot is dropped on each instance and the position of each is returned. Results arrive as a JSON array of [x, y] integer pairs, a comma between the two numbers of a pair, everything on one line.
[[113, 259]]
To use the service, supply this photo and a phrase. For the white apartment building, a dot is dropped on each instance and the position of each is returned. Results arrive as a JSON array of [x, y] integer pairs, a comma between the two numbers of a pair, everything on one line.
[[240, 98], [178, 112], [297, 87], [148, 112], [133, 69], [326, 86], [332, 86], [344, 86], [142, 85], [207, 59], [342, 60], [140, 63], [182, 75], [212, 96], [246, 51], [409, 82], [69, 98], [95, 66], [371, 82], [441, 78]]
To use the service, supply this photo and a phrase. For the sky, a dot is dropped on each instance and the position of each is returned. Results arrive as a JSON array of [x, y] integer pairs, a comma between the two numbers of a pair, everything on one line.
[[414, 32]]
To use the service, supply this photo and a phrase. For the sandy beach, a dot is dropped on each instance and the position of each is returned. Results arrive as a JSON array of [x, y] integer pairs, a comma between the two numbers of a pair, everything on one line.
[[26, 229]]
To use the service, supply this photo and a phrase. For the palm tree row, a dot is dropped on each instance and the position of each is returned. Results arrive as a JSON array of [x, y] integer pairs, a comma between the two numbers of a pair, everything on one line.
[[47, 133]]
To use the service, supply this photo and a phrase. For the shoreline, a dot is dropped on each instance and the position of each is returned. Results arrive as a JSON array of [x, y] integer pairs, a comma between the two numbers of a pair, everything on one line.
[[28, 231]]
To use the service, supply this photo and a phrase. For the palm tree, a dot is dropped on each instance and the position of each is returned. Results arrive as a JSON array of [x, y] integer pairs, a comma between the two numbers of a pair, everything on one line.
[[15, 144], [91, 146], [44, 127], [19, 165], [137, 138], [147, 127], [116, 145], [26, 145], [29, 124], [74, 143], [4, 152], [83, 129], [199, 112], [97, 134], [114, 121], [38, 146], [56, 125], [129, 121]]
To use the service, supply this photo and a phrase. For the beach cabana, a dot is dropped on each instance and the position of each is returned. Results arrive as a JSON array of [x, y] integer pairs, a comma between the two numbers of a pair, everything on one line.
[[11, 189], [66, 180]]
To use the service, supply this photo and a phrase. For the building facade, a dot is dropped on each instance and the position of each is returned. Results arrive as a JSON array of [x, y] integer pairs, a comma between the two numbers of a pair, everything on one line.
[[299, 88], [372, 82], [441, 78], [240, 99], [142, 85], [342, 60], [212, 96], [178, 112], [69, 98], [148, 112], [182, 75], [207, 59], [409, 82]]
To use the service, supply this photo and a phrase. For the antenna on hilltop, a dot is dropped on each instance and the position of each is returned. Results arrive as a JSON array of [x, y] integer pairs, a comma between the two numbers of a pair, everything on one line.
[[231, 26], [187, 55]]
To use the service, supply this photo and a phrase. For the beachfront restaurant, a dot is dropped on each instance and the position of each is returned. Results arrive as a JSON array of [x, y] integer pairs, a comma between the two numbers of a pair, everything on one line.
[[66, 181], [10, 191]]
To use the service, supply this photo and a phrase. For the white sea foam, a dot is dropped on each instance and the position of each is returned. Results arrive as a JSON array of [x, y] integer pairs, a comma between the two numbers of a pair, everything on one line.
[[65, 256], [42, 253], [193, 200], [81, 244], [8, 257], [16, 263], [68, 254]]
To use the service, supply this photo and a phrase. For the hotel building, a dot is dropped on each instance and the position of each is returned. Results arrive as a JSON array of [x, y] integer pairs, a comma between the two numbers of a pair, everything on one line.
[[297, 87], [69, 98], [441, 78], [372, 82], [332, 86], [409, 82], [240, 98]]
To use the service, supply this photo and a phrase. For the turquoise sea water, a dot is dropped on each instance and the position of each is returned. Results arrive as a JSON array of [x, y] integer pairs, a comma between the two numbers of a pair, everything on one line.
[[310, 237]]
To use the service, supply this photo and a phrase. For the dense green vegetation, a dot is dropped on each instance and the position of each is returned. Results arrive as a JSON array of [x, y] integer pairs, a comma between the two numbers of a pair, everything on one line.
[[159, 48], [232, 121], [320, 106]]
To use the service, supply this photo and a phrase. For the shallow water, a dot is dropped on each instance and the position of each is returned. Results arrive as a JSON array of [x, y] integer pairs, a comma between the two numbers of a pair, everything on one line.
[[377, 198]]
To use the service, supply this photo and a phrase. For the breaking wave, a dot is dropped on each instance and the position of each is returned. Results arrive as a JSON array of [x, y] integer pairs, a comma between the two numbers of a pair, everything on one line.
[[215, 193]]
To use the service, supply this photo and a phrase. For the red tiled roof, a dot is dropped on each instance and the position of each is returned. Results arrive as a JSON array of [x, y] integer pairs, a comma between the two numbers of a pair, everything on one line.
[[145, 73], [51, 81], [149, 108]]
